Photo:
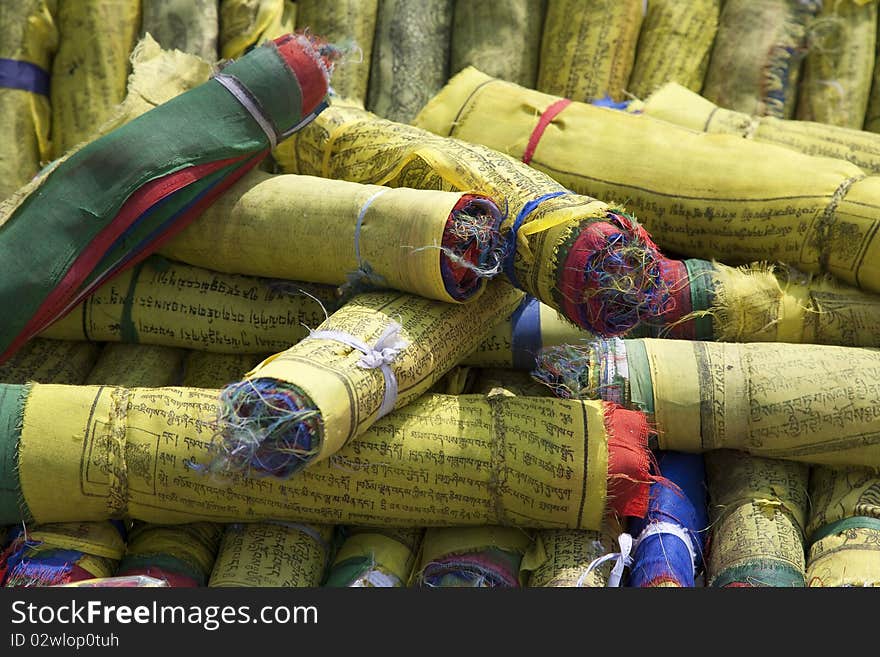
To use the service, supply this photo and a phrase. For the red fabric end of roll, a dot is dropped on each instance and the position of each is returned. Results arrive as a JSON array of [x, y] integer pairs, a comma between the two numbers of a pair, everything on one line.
[[307, 68], [174, 580], [546, 117], [574, 269], [675, 276], [62, 299], [629, 461]]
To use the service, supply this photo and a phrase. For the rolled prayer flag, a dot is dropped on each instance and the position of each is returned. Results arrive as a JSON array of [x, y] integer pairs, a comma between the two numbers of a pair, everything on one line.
[[675, 104], [61, 553], [187, 25], [584, 257], [758, 511], [734, 199], [90, 69], [377, 353], [844, 527], [352, 25], [272, 554], [808, 403], [570, 558], [28, 40], [247, 23], [435, 462], [588, 47], [839, 66], [757, 55], [439, 245], [375, 558], [181, 555], [206, 370], [170, 304], [479, 557], [137, 366], [502, 39], [668, 541], [51, 361], [674, 45], [410, 60], [506, 381], [114, 201]]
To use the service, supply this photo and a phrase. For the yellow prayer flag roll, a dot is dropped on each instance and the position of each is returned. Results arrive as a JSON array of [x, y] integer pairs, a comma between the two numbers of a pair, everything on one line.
[[410, 56], [206, 370], [439, 245], [501, 381], [562, 558], [810, 403], [758, 50], [588, 47], [758, 510], [188, 25], [247, 23], [837, 74], [844, 527], [28, 39], [573, 252], [734, 199], [181, 555], [440, 461], [89, 72], [503, 39], [377, 353], [674, 45], [472, 556], [375, 558], [346, 23], [51, 361], [272, 555], [675, 104], [137, 365], [171, 304]]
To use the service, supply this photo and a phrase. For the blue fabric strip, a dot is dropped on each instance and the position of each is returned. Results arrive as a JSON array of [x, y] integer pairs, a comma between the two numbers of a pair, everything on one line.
[[15, 74], [664, 556], [527, 209], [525, 339], [608, 102]]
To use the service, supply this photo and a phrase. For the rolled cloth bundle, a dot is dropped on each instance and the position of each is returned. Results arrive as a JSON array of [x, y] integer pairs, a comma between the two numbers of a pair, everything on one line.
[[809, 403], [839, 65], [588, 47], [51, 361], [111, 203], [734, 199], [756, 303], [206, 370], [114, 452], [844, 527], [170, 304], [377, 353], [351, 24], [758, 511], [591, 260], [181, 555], [502, 39], [757, 55], [375, 558], [439, 245], [137, 365], [472, 557], [91, 67], [61, 553], [187, 25], [570, 558], [668, 542], [410, 56], [272, 554], [247, 23], [675, 104], [506, 381], [674, 45], [28, 39]]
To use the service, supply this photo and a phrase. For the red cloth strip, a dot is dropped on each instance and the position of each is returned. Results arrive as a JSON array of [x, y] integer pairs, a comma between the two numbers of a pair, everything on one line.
[[629, 461], [546, 117]]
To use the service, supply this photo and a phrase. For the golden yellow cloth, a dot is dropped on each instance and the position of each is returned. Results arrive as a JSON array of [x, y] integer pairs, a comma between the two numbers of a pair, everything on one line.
[[562, 557], [371, 557], [247, 23], [188, 25], [51, 361], [137, 365]]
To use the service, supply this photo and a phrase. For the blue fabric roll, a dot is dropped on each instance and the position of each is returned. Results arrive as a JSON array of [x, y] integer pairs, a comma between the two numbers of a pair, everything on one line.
[[525, 341], [664, 557]]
